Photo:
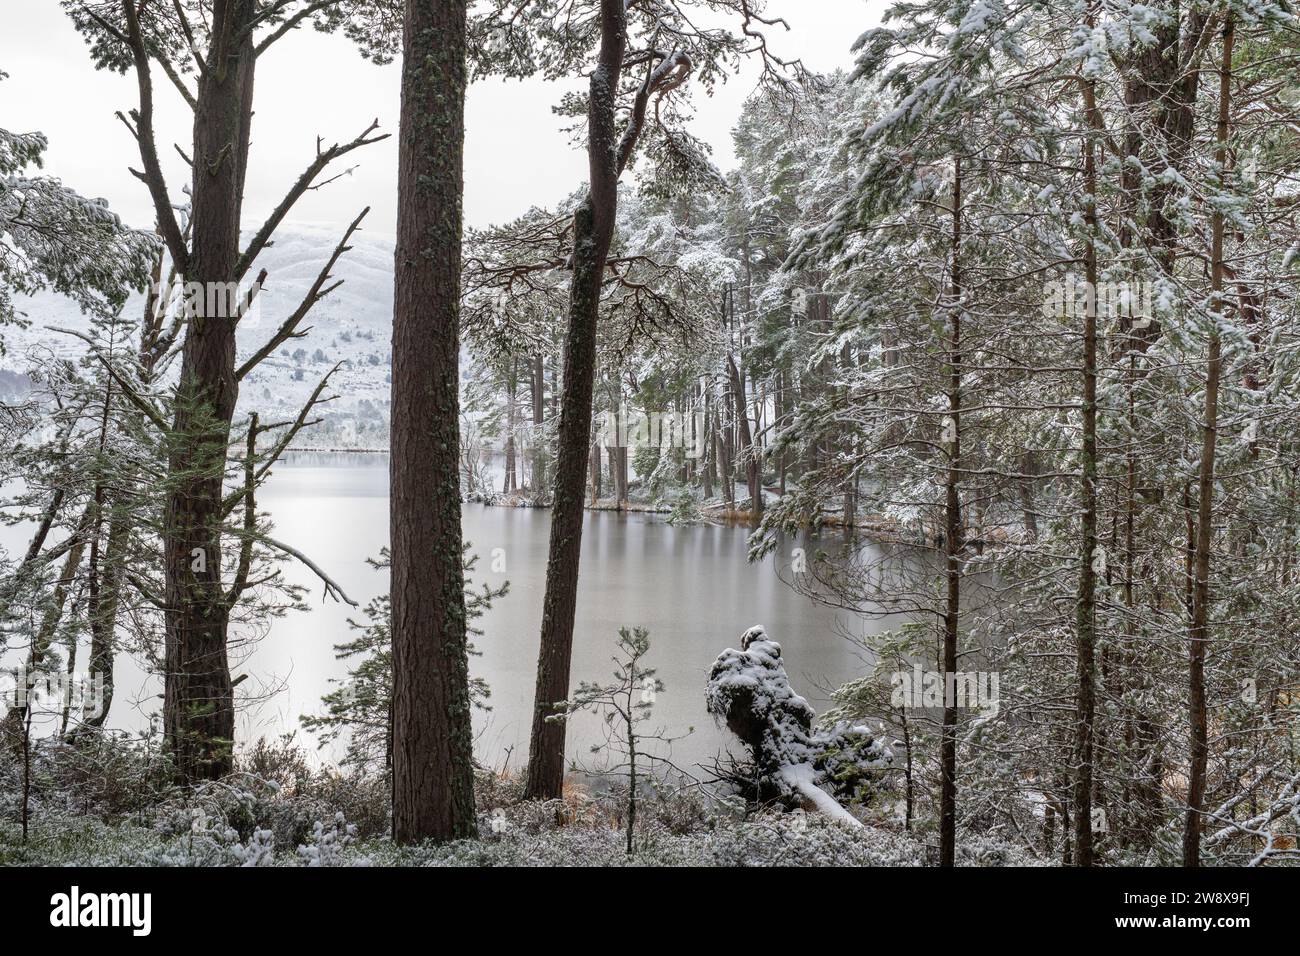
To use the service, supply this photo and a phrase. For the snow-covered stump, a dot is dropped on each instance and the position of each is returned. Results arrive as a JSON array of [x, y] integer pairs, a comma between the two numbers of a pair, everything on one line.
[[794, 763]]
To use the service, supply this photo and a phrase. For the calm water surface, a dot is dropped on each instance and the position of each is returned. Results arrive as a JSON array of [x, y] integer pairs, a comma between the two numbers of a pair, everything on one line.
[[689, 585]]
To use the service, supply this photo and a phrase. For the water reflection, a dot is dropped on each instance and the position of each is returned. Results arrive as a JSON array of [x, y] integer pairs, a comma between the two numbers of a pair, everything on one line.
[[691, 586]]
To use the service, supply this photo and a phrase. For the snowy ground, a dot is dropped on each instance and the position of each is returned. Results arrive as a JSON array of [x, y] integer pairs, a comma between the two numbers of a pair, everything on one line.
[[505, 840], [109, 803]]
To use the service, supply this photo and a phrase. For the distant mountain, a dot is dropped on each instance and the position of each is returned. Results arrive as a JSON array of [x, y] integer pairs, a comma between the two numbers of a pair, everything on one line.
[[352, 325]]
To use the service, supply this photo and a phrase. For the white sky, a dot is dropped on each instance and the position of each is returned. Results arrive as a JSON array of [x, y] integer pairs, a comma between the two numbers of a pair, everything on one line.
[[310, 84]]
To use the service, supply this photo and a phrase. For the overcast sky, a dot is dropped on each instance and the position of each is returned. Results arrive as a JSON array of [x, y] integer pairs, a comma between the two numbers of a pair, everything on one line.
[[310, 85]]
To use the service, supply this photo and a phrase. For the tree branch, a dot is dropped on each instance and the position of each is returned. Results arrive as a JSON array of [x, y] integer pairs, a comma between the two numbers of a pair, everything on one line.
[[232, 500], [135, 398], [152, 175], [304, 183], [250, 516], [317, 292], [332, 588]]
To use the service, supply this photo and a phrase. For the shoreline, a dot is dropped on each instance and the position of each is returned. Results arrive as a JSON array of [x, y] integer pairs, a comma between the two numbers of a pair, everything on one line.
[[338, 451], [876, 527]]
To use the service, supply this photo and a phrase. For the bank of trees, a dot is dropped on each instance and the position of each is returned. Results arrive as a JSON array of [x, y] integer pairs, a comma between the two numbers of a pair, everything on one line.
[[1024, 303], [1006, 315], [1064, 264]]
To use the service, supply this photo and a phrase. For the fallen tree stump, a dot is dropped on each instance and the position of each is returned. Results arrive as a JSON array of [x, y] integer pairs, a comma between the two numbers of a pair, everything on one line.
[[793, 762]]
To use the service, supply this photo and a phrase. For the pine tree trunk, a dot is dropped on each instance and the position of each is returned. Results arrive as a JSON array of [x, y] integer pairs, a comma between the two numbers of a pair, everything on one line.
[[722, 452], [1026, 486], [104, 584], [15, 719], [748, 451], [510, 483], [1198, 632], [851, 481], [709, 464], [1086, 603], [624, 477], [612, 455], [593, 230], [433, 758], [539, 419], [103, 577], [198, 707], [953, 550]]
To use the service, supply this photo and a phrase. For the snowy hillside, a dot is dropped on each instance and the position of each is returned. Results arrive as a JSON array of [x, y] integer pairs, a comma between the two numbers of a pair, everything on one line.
[[352, 325]]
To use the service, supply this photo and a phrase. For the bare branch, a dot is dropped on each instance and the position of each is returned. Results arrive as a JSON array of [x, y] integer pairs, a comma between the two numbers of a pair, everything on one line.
[[332, 588], [232, 500], [323, 159], [153, 175], [317, 292], [250, 516]]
